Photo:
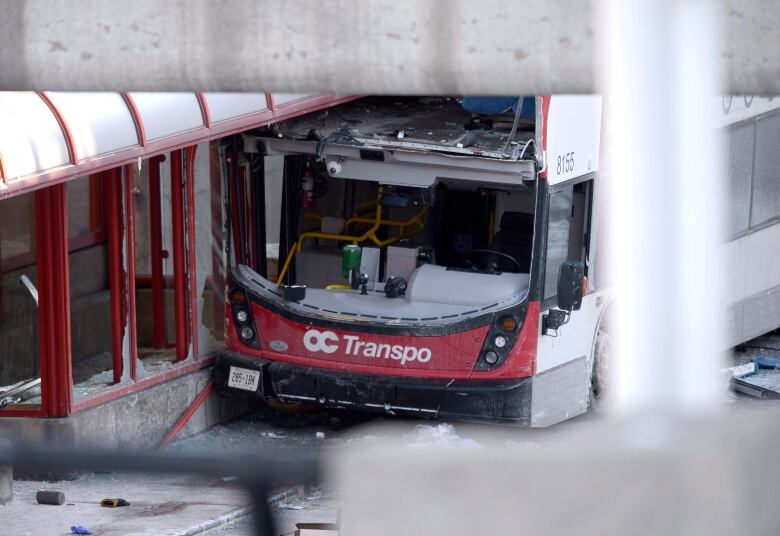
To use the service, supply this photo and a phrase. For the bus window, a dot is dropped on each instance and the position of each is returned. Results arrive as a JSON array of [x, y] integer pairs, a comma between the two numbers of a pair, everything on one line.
[[567, 231]]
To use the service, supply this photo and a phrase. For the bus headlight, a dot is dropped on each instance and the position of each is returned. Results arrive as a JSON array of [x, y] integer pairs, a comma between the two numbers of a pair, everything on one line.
[[499, 341], [242, 316], [508, 323], [247, 333], [491, 357]]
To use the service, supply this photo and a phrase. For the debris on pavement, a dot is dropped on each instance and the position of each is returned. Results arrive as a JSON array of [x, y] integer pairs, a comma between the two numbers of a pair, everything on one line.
[[767, 362], [743, 370], [727, 375], [316, 529], [764, 383], [320, 435], [759, 378], [290, 506], [112, 502], [55, 498], [314, 495], [80, 529]]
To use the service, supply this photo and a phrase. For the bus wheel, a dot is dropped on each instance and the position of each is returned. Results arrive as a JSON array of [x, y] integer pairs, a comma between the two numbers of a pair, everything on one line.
[[600, 378]]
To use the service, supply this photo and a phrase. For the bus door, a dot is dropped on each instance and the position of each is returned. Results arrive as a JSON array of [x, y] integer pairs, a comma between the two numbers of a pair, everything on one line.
[[562, 380]]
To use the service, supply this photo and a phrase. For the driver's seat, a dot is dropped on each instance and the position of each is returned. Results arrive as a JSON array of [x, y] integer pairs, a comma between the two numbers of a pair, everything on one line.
[[515, 238]]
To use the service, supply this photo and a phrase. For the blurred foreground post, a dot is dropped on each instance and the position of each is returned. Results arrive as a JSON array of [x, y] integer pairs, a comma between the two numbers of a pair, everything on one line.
[[663, 171]]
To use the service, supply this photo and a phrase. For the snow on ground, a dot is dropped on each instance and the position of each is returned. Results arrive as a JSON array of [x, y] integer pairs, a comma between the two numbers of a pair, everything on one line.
[[440, 436]]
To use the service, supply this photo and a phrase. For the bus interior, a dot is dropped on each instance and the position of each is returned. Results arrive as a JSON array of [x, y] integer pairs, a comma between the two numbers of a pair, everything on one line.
[[401, 210]]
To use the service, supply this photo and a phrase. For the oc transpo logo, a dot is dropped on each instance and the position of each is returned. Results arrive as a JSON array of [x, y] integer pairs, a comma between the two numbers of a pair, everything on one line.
[[325, 341], [329, 342]]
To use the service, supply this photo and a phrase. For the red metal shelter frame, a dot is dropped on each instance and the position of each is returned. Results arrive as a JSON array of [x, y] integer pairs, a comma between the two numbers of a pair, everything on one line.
[[179, 248], [156, 246], [192, 249], [130, 242], [113, 204], [51, 219]]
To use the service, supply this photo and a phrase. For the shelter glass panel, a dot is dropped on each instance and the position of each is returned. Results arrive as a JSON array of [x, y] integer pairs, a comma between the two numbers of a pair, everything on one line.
[[19, 358]]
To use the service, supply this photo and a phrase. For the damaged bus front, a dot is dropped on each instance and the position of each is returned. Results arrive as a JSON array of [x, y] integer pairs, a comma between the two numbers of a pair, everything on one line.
[[411, 275]]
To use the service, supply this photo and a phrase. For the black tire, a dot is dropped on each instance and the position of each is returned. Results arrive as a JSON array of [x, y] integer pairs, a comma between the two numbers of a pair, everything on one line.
[[601, 392]]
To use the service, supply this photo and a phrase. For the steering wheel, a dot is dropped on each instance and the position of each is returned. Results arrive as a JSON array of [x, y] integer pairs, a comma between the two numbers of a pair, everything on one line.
[[486, 260]]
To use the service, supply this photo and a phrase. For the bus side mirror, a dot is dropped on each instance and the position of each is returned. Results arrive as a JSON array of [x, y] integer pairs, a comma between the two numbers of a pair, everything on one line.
[[571, 278], [571, 281]]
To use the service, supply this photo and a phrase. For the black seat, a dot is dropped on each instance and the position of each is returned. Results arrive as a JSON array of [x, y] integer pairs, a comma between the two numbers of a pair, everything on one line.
[[515, 237]]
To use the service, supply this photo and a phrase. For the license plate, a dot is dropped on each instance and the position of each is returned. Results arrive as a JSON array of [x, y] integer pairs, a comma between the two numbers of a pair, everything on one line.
[[246, 379]]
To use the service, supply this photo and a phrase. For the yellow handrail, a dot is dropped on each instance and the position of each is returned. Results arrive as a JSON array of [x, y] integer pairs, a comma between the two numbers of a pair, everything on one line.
[[394, 223], [370, 234], [339, 286], [365, 206]]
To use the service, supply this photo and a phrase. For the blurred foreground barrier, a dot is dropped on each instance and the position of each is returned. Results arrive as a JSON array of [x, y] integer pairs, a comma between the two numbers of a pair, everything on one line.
[[349, 46], [654, 477], [256, 472]]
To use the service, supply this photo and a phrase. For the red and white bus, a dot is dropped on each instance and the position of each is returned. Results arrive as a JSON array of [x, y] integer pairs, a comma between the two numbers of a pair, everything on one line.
[[433, 261]]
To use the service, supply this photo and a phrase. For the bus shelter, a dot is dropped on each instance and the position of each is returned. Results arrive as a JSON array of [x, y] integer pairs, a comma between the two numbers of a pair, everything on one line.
[[111, 207]]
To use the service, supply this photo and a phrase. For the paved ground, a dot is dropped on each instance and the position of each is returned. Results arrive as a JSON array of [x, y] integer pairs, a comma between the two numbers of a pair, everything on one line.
[[317, 506], [169, 505], [158, 505]]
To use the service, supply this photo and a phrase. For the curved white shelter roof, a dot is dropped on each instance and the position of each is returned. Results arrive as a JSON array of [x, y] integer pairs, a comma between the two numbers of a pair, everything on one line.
[[49, 137]]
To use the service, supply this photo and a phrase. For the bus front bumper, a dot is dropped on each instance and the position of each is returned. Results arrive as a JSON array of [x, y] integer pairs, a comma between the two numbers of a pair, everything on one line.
[[496, 400]]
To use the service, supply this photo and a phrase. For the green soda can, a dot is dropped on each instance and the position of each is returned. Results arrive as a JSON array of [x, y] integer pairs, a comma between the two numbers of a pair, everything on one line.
[[350, 259]]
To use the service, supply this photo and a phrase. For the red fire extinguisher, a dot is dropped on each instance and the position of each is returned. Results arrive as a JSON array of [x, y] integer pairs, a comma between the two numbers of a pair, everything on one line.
[[307, 189]]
